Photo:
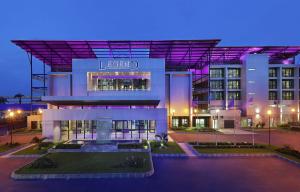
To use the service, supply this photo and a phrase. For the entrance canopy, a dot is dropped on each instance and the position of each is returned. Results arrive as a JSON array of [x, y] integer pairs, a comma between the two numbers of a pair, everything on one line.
[[178, 54]]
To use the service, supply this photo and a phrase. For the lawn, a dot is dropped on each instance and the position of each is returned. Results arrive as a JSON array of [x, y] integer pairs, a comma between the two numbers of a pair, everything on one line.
[[108, 162], [33, 150], [6, 147], [194, 129], [233, 150], [170, 148]]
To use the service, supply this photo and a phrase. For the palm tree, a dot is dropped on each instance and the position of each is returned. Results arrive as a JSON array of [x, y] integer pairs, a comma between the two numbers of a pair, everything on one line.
[[3, 100], [19, 96]]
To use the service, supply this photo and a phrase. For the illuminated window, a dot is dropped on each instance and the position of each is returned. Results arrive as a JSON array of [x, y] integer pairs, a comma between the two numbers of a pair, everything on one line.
[[234, 84], [235, 95], [234, 72], [288, 95], [272, 95], [273, 84], [272, 72], [287, 84], [216, 84], [217, 73], [288, 72], [118, 81]]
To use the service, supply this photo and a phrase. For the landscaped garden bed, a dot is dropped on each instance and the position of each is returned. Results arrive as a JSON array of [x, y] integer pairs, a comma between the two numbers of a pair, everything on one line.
[[165, 148], [68, 146], [193, 129], [142, 145], [38, 149], [289, 153], [8, 146], [74, 163], [229, 147]]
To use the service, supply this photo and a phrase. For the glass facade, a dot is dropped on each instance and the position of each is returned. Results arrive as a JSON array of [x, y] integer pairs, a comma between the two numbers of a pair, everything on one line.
[[120, 129], [234, 72], [119, 81]]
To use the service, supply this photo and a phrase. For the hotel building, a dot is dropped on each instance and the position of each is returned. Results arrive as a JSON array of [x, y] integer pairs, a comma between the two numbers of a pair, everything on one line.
[[132, 90]]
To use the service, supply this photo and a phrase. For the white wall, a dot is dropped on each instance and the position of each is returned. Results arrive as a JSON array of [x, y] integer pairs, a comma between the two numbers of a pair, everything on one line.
[[81, 67]]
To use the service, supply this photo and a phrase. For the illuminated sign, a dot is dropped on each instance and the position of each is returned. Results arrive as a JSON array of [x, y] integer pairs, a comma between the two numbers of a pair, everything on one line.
[[118, 64]]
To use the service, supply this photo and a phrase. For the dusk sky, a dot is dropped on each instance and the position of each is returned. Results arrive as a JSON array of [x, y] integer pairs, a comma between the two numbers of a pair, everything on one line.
[[236, 22]]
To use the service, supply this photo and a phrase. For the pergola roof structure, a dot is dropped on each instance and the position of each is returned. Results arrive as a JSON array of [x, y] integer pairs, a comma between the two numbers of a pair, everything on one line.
[[177, 53]]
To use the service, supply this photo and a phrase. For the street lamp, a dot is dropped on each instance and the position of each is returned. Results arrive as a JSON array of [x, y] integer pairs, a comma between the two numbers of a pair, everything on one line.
[[293, 114], [11, 115], [269, 112]]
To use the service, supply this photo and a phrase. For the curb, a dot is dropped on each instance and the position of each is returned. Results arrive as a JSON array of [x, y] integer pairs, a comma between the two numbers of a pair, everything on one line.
[[173, 155], [229, 155], [287, 159]]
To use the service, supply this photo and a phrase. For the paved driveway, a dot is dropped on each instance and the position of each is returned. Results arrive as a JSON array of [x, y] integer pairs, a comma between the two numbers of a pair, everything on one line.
[[193, 175]]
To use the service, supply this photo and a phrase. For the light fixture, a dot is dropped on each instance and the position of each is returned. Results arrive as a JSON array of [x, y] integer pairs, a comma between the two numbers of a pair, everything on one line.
[[269, 112], [217, 110], [293, 110], [19, 111], [11, 114], [257, 110]]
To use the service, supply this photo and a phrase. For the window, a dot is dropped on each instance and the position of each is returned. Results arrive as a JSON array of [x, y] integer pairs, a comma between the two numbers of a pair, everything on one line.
[[287, 95], [273, 84], [235, 95], [272, 95], [119, 81], [234, 84], [287, 84], [288, 72], [234, 72], [217, 84], [217, 95], [272, 72], [217, 73]]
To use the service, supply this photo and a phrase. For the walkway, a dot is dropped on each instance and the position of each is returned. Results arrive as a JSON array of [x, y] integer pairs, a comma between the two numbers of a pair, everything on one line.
[[189, 151]]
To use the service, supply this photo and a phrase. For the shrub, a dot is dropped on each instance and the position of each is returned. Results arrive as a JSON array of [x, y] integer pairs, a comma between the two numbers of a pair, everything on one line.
[[131, 146], [13, 144], [68, 146], [133, 162], [289, 151], [43, 163], [44, 145]]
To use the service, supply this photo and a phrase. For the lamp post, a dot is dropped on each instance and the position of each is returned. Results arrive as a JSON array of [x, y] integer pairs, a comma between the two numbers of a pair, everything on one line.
[[269, 112], [216, 125], [11, 117]]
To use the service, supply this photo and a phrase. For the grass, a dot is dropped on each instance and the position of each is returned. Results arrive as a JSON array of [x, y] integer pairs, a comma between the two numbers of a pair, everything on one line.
[[233, 150], [33, 150], [170, 148], [108, 162], [193, 129], [6, 147]]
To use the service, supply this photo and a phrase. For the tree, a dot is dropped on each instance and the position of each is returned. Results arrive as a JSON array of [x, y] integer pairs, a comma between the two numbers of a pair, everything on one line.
[[3, 100], [19, 96]]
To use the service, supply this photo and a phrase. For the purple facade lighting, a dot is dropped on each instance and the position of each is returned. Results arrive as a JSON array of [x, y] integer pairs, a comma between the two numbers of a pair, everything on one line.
[[178, 54]]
